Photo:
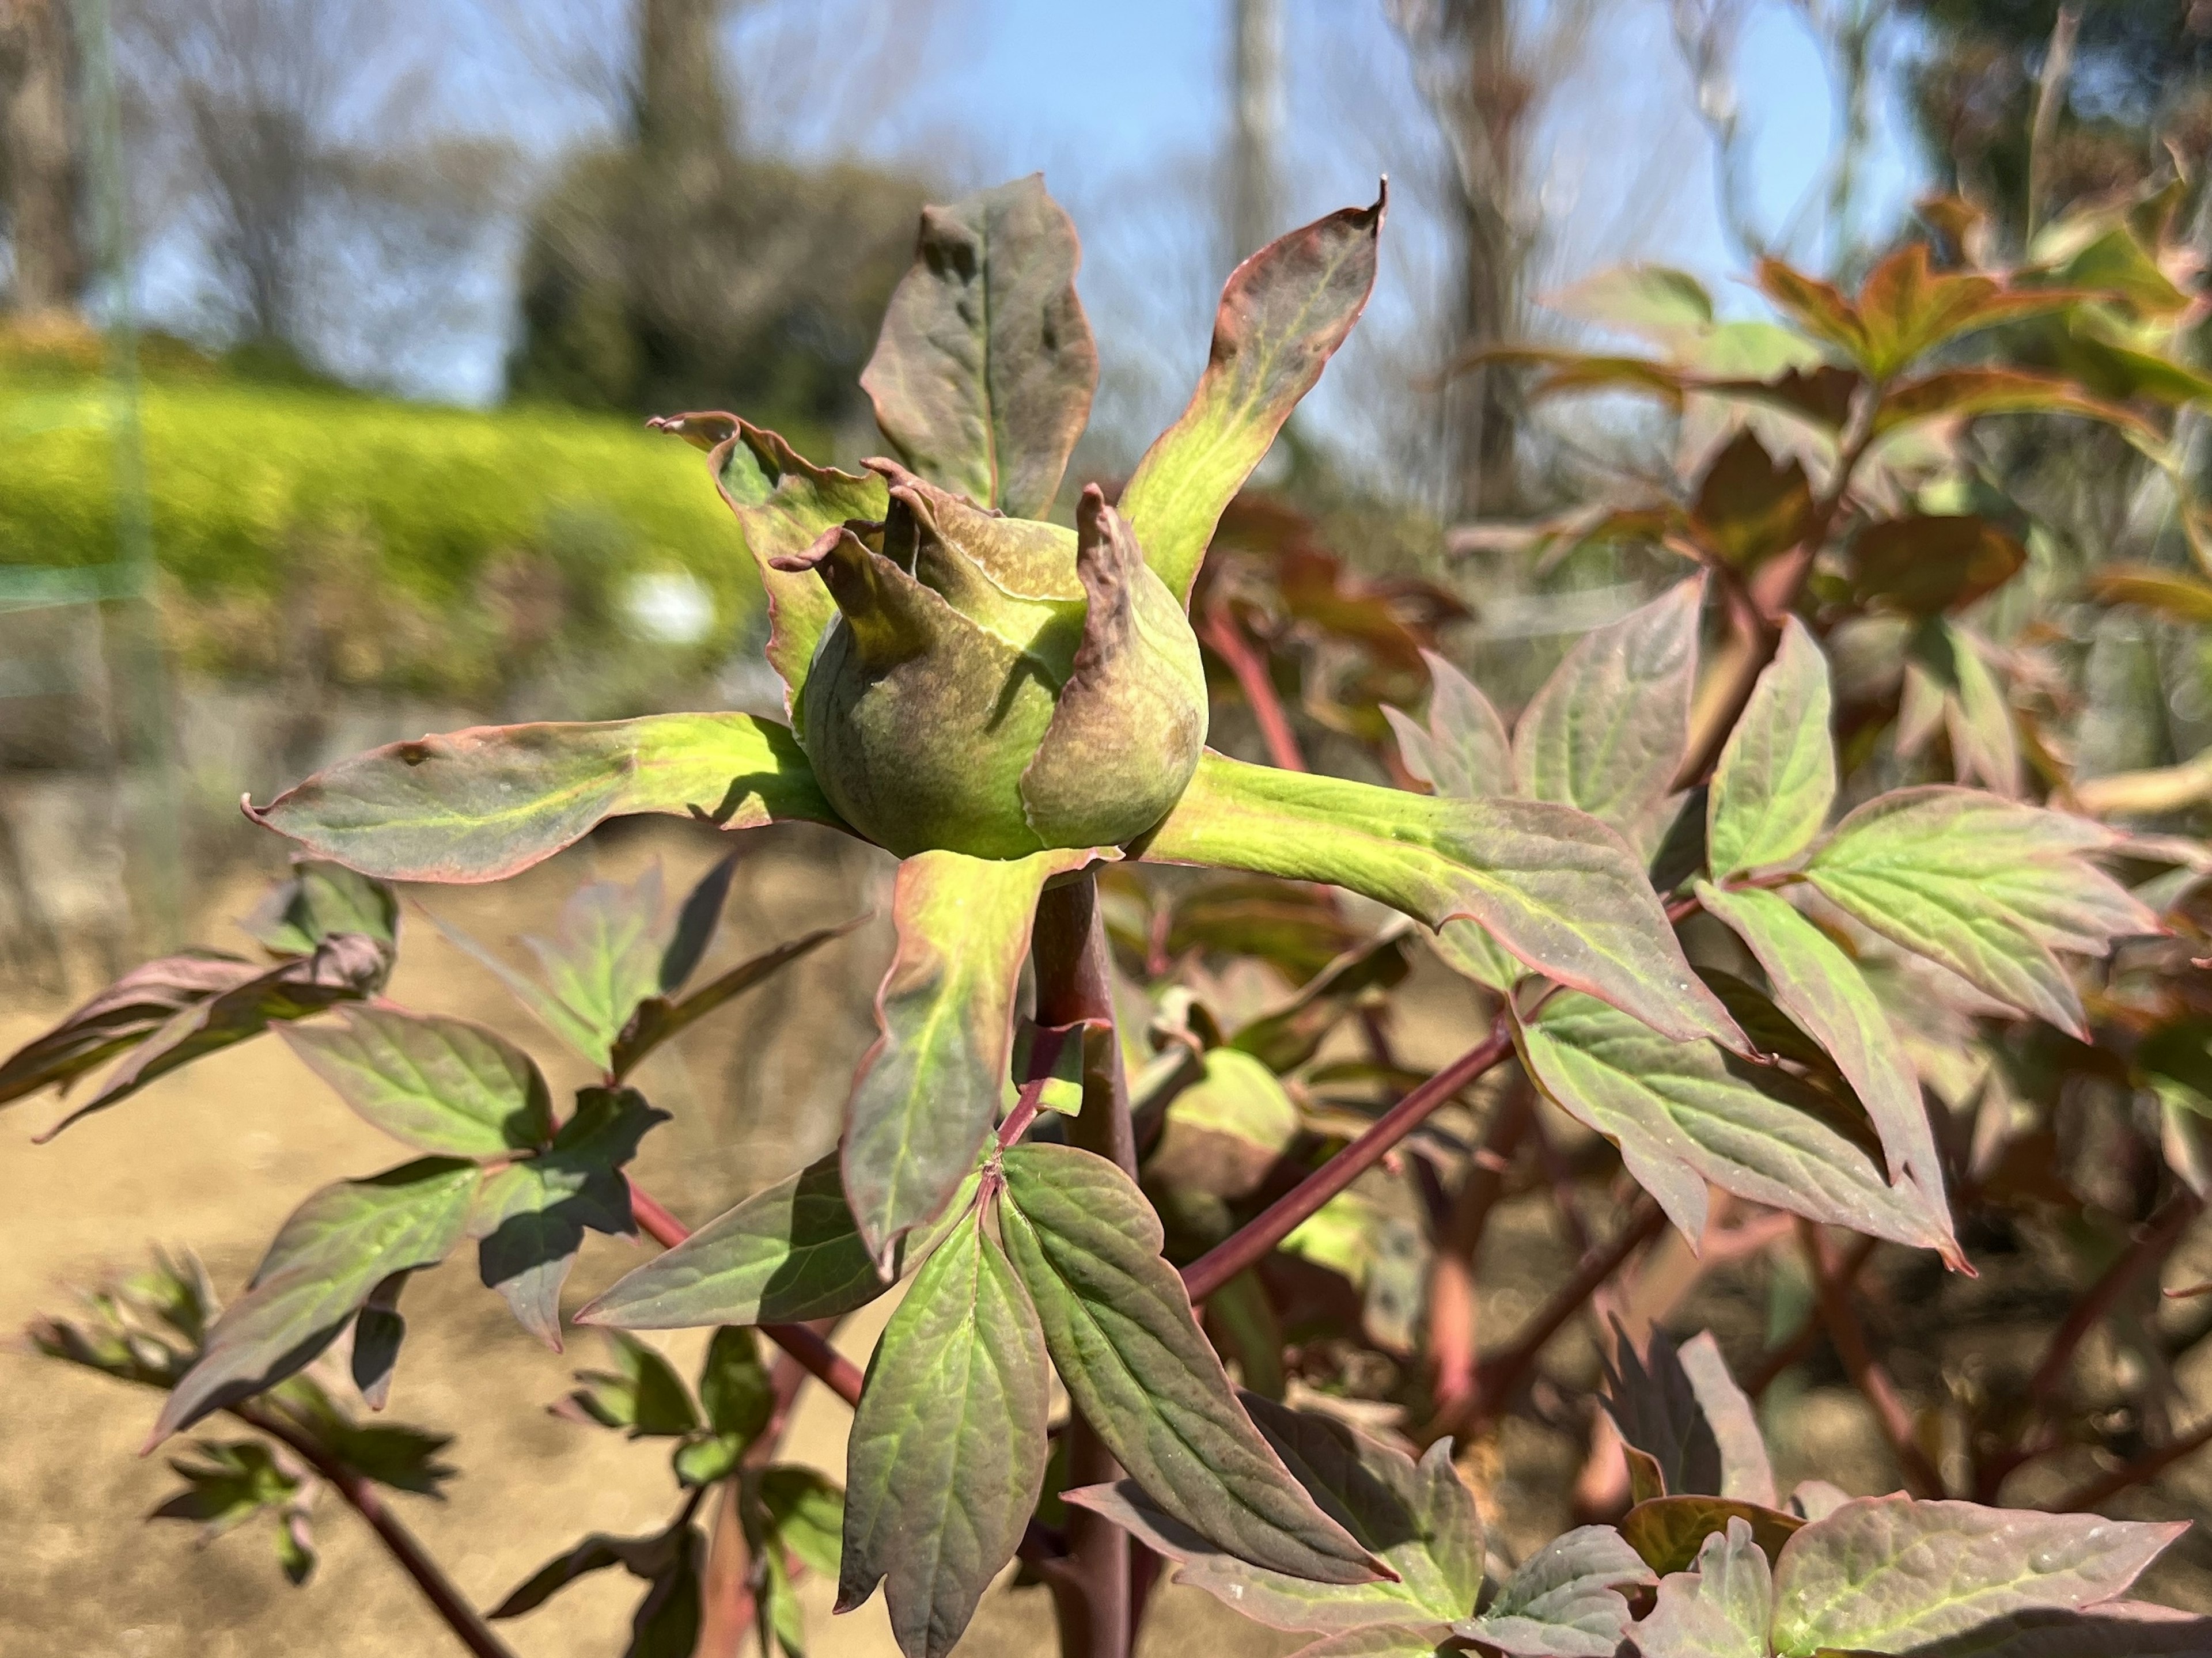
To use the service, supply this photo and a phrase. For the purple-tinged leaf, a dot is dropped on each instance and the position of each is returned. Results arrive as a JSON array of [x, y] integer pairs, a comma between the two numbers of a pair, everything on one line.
[[1749, 507], [1225, 1132], [1385, 1641], [345, 968], [929, 1089], [1681, 1407], [1464, 750], [128, 1011], [441, 1085], [783, 502], [658, 1019], [1289, 1034], [1565, 1599], [2117, 1628], [488, 802], [981, 379], [1559, 889], [1890, 1574], [1418, 1518], [1669, 1531], [530, 1216], [1686, 1113], [378, 1330], [1776, 778], [1086, 1246], [791, 1253], [1606, 732], [1822, 989], [320, 900], [1283, 314], [1720, 1610], [336, 1248], [947, 1455], [1926, 564], [1986, 887], [1952, 392]]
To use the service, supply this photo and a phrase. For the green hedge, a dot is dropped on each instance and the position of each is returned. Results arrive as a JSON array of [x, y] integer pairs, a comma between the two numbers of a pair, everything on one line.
[[414, 519]]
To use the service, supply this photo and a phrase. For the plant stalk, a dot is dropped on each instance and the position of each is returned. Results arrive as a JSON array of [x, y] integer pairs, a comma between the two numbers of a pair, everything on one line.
[[1091, 1584], [466, 1623]]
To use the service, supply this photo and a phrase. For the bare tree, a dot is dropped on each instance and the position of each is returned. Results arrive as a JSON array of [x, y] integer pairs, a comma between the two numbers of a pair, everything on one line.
[[40, 170]]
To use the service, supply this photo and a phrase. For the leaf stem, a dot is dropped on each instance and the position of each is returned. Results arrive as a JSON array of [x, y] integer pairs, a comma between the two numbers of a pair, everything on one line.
[[2149, 1465], [1453, 1305], [1867, 1373], [829, 1366], [1254, 1241], [466, 1623], [1226, 635]]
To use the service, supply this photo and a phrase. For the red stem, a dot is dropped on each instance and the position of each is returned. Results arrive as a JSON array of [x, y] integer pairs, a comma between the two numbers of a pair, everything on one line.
[[1867, 1373], [829, 1366], [466, 1623], [2149, 1465], [1253, 1241], [1225, 635], [1454, 1310]]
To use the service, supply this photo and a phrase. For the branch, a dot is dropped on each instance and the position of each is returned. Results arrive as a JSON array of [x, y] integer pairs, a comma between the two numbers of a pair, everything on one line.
[[1453, 1309], [728, 1604], [1761, 1376], [2149, 1465], [466, 1623], [1254, 1241], [835, 1371], [1223, 632], [1867, 1373], [2150, 1247]]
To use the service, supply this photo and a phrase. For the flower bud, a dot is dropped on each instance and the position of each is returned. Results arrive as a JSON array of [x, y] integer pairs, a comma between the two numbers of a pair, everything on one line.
[[997, 686]]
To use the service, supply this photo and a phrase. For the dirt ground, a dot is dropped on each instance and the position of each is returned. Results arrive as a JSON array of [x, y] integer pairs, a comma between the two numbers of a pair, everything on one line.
[[215, 1156]]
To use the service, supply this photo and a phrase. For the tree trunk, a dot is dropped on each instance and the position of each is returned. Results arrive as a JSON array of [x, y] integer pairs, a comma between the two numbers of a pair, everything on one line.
[[1482, 414], [39, 170]]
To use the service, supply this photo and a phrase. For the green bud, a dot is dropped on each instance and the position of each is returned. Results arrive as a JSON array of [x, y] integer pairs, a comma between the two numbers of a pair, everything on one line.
[[997, 686]]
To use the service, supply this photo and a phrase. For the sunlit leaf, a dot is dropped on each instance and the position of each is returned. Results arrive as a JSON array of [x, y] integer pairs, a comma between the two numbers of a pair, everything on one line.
[[1465, 751], [126, 1012], [1119, 1324], [1606, 732], [807, 1511], [1283, 314], [1565, 1599], [1986, 887], [440, 1084], [483, 804], [1557, 889], [1686, 1113], [1719, 1610], [320, 900], [334, 1249], [1419, 1519], [1821, 989], [1749, 507], [1668, 1532], [1225, 1131], [948, 1449], [1968, 391], [1890, 1574], [1656, 300], [929, 1089], [1776, 778], [982, 376]]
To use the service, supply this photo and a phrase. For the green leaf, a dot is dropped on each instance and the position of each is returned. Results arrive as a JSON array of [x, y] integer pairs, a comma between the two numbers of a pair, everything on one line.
[[1565, 1599], [1776, 778], [2116, 1629], [230, 1483], [642, 1393], [948, 1447], [1952, 392], [1606, 732], [1749, 508], [123, 1015], [486, 803], [1419, 1519], [783, 502], [1669, 1531], [1681, 1407], [1224, 1134], [658, 1019], [929, 1089], [807, 1513], [335, 1249], [982, 377], [1890, 1574], [605, 960], [1719, 1610], [706, 1459], [734, 1387], [530, 1216], [345, 968], [1909, 309], [1086, 1246], [1686, 1113], [321, 900], [1945, 666], [791, 1253], [1821, 989], [441, 1085], [1283, 314], [1984, 886], [1559, 889], [1654, 299]]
